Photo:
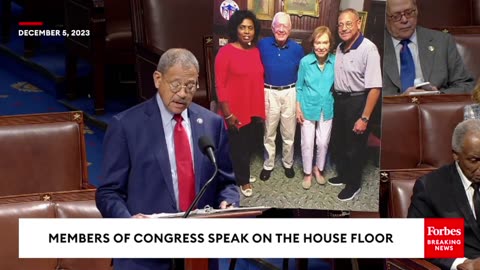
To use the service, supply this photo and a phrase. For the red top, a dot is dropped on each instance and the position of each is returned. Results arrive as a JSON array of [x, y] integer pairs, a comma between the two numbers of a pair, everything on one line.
[[239, 78]]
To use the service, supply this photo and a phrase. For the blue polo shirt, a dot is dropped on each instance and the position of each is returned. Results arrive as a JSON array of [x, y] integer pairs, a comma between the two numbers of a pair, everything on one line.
[[355, 44], [280, 63]]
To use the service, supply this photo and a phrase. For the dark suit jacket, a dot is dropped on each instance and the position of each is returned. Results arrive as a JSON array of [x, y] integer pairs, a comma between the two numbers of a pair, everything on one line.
[[441, 194], [136, 169], [441, 64]]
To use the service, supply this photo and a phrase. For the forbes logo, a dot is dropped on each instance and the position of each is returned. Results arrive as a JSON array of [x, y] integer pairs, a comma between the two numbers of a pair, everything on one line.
[[444, 237], [432, 231]]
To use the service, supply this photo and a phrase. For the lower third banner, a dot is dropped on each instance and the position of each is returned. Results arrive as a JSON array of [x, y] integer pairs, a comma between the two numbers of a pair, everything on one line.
[[240, 238]]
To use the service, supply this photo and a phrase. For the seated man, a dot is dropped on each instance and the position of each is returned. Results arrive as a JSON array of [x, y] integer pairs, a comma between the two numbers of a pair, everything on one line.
[[453, 191], [413, 54]]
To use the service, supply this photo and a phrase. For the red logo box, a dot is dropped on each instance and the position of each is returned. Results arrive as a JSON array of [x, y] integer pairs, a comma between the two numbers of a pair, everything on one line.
[[444, 238]]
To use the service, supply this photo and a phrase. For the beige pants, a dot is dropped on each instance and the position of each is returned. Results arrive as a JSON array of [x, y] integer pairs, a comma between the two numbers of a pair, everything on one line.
[[311, 135], [279, 108]]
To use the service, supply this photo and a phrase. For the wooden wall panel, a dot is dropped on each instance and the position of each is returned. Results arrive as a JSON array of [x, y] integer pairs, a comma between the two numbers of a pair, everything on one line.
[[374, 30], [476, 12], [435, 14], [302, 26]]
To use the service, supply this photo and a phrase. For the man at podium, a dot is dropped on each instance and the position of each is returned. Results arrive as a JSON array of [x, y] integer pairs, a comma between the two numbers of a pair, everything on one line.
[[151, 160]]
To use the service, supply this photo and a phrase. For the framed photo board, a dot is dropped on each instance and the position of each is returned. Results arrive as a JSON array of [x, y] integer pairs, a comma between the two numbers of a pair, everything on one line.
[[363, 16], [263, 9], [302, 7]]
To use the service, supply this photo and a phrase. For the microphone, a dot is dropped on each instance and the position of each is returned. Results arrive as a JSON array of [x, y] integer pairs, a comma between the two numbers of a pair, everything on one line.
[[249, 43], [206, 145]]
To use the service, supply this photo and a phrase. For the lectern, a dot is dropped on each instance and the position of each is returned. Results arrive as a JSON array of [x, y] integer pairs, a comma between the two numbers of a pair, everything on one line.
[[202, 264]]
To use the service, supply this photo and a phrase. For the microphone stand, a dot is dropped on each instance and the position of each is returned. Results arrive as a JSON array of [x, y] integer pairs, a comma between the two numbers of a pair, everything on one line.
[[200, 194]]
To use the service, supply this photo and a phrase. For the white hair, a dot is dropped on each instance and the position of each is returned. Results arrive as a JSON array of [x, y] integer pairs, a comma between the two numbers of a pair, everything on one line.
[[280, 14], [461, 131]]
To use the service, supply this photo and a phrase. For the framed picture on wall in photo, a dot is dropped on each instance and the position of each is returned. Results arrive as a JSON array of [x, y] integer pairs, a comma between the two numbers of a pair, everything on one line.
[[302, 7], [263, 9], [363, 16]]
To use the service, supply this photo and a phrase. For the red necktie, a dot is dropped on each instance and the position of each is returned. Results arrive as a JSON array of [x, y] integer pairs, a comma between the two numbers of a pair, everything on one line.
[[183, 156]]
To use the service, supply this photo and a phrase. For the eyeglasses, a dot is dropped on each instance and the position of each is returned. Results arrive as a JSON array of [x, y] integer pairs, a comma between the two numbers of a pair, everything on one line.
[[190, 87], [409, 13], [347, 25]]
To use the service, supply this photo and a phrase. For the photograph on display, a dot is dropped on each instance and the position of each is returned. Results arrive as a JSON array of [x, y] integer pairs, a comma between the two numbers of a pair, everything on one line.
[[263, 9], [279, 181], [302, 7], [363, 16]]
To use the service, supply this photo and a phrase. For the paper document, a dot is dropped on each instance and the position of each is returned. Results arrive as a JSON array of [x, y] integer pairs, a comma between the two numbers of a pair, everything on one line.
[[421, 93], [206, 211]]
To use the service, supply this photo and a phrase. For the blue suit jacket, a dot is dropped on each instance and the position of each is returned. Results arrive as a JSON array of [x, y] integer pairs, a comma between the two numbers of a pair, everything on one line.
[[136, 169]]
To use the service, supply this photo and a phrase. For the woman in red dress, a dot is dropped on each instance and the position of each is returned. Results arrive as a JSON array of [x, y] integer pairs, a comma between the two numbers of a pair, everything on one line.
[[239, 81]]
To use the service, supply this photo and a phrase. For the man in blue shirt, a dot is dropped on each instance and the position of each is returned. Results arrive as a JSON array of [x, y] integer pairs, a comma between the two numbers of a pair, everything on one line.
[[281, 58]]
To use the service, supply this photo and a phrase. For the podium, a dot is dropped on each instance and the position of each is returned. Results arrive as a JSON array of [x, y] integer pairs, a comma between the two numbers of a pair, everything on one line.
[[248, 212], [203, 263]]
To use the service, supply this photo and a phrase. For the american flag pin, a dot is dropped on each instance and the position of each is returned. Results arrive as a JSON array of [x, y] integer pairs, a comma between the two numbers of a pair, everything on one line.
[[200, 121], [431, 48]]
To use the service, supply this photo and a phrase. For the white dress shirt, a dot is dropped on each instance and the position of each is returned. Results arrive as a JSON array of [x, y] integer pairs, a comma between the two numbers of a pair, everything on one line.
[[467, 186]]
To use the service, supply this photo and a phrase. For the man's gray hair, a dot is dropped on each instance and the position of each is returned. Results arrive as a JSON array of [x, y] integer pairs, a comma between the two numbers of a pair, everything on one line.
[[461, 130], [177, 56], [414, 2], [350, 10], [280, 14]]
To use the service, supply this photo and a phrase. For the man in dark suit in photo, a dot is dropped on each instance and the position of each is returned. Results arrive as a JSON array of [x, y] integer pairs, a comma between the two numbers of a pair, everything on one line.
[[452, 191], [151, 160], [413, 54]]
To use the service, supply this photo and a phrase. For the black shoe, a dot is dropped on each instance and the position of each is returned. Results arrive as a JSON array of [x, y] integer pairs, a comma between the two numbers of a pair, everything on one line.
[[335, 181], [265, 174], [348, 193], [289, 172]]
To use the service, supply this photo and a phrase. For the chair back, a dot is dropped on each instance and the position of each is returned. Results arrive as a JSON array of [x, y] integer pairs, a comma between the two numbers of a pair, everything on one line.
[[396, 190], [467, 45], [400, 197], [417, 131], [158, 25], [118, 27], [64, 204], [42, 153]]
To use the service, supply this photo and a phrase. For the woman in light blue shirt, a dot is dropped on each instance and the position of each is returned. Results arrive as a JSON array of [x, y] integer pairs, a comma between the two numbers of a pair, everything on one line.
[[315, 103]]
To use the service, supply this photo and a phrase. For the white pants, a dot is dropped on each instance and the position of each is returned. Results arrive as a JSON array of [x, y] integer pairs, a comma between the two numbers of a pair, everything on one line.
[[311, 135], [279, 107]]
